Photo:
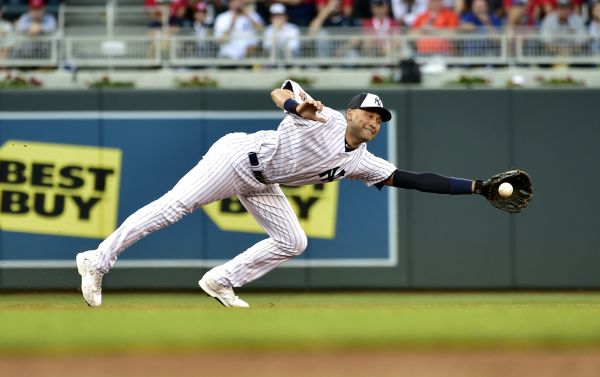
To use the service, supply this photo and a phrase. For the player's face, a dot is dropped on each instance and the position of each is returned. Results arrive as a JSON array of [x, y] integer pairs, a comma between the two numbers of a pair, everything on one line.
[[363, 125]]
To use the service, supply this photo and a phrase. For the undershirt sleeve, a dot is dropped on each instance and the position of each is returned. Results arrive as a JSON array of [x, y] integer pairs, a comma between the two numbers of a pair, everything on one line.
[[429, 182]]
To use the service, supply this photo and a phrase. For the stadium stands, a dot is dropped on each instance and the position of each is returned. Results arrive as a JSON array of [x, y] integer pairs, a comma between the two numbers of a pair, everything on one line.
[[116, 33]]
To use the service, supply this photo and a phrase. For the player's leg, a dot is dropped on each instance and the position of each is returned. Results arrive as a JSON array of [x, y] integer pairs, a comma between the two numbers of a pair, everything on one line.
[[213, 178], [286, 239]]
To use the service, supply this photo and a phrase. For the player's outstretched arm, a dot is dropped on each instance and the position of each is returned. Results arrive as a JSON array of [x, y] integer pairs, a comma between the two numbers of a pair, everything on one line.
[[429, 182], [284, 99], [512, 198]]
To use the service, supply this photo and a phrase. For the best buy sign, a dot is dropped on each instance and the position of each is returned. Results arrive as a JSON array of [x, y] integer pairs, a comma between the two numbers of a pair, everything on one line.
[[59, 189]]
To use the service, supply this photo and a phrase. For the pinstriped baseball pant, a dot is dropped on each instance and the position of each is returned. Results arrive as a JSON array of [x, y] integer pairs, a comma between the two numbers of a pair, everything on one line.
[[222, 172]]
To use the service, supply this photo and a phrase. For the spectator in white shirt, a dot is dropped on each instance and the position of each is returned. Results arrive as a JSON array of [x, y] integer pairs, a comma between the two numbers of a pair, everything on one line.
[[280, 33], [237, 30], [405, 11], [563, 31]]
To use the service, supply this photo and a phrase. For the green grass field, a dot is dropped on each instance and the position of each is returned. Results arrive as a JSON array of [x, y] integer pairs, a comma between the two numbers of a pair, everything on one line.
[[40, 323]]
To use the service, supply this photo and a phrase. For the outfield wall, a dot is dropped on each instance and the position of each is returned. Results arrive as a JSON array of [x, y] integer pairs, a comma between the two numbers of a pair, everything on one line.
[[76, 163]]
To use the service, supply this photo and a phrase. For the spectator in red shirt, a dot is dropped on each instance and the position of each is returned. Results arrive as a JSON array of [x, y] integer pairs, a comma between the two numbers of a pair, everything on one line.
[[382, 25], [434, 21]]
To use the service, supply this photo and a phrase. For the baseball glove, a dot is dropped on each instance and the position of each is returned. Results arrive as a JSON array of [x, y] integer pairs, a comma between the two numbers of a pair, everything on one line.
[[515, 202]]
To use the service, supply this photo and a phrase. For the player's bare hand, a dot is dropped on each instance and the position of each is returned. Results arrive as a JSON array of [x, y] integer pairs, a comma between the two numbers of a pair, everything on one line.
[[310, 109]]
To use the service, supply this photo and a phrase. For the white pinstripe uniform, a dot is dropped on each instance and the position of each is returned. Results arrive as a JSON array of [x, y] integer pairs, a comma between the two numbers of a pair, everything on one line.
[[299, 152]]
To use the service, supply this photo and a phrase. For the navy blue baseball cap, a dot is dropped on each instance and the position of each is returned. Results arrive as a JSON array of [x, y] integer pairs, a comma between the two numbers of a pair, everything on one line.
[[370, 102]]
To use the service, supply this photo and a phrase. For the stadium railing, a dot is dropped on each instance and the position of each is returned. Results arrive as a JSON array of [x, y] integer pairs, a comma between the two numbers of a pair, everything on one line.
[[353, 50]]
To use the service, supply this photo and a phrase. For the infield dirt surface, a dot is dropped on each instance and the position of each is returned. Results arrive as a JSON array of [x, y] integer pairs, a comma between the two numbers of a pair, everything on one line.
[[583, 363]]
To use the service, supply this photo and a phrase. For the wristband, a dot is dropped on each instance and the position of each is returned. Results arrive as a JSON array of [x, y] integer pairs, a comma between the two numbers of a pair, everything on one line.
[[290, 106], [459, 186]]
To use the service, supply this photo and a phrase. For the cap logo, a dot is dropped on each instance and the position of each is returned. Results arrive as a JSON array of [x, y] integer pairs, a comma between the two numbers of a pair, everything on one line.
[[371, 100]]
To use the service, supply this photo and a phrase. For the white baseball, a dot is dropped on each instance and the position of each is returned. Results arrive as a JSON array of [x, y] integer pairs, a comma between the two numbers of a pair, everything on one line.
[[505, 190]]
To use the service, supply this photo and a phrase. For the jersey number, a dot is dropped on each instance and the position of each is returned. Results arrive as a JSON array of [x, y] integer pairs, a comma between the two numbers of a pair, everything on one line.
[[330, 175]]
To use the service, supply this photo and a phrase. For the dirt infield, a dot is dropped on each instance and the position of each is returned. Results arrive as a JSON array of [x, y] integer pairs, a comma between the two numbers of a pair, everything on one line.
[[326, 364]]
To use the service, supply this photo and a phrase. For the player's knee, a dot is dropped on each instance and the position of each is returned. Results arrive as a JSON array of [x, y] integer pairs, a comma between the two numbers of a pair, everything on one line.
[[299, 244], [294, 245]]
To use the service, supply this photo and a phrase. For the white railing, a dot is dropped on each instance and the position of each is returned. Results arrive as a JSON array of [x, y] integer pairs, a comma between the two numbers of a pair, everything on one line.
[[210, 51], [114, 52], [109, 20], [29, 52], [566, 49], [305, 51], [459, 49]]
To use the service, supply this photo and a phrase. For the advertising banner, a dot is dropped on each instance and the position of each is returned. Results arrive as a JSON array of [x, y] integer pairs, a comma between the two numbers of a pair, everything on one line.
[[68, 179]]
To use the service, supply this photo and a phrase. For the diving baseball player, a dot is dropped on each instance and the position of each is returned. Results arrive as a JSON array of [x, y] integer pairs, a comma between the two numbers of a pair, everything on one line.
[[313, 144]]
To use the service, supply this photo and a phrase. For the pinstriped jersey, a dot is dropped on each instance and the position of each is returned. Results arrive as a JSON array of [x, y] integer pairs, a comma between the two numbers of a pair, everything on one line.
[[304, 151]]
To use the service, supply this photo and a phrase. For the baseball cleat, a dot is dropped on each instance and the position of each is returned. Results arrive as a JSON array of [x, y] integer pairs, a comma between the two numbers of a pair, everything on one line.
[[222, 294], [91, 280]]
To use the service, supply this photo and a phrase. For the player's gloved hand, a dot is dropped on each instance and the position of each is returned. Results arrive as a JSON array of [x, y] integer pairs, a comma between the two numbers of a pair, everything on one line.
[[482, 187], [514, 203]]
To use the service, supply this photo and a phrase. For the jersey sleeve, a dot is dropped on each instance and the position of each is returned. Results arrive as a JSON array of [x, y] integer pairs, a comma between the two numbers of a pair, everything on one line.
[[299, 93], [372, 169]]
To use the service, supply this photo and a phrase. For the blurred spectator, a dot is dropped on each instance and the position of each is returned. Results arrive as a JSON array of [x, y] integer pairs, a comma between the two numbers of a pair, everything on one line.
[[209, 13], [281, 34], [480, 19], [434, 21], [220, 6], [178, 18], [203, 47], [6, 36], [202, 26], [169, 15], [497, 8], [33, 25], [300, 12], [537, 10], [347, 6], [381, 22], [382, 25], [331, 20], [406, 11], [516, 16], [158, 12], [563, 31], [36, 22], [332, 16], [238, 30], [594, 28]]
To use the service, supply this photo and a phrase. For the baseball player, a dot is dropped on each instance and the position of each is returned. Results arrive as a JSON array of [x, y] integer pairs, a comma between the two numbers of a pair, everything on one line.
[[313, 144]]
